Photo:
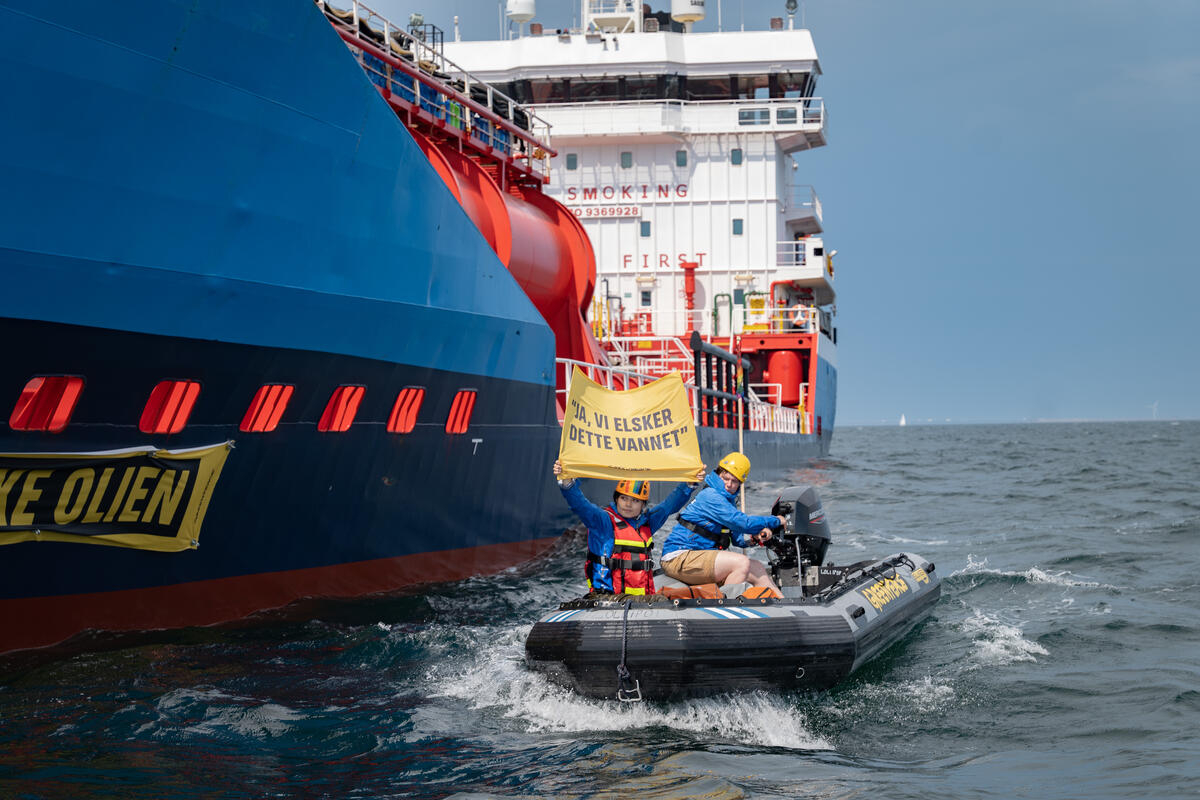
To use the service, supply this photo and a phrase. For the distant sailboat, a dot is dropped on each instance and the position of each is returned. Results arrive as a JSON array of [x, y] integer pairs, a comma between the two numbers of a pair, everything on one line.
[[903, 422]]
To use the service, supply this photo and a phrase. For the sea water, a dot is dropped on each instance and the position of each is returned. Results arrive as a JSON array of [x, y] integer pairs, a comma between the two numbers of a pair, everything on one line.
[[1061, 662]]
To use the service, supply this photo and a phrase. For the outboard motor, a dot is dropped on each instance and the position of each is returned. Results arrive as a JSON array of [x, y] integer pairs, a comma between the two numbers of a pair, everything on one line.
[[800, 549]]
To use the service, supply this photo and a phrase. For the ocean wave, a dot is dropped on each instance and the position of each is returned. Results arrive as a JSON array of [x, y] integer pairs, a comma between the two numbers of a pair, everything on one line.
[[1032, 575], [895, 700], [210, 712], [905, 540], [494, 679], [996, 643]]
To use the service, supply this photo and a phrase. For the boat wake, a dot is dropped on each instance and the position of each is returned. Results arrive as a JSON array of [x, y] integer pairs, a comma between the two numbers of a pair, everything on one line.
[[997, 643], [494, 680]]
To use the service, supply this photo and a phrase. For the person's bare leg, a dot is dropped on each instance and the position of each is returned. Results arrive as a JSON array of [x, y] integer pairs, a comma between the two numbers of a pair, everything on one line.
[[731, 568], [760, 577]]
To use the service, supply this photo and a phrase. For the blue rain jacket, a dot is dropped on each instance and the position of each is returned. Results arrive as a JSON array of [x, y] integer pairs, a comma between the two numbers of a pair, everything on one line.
[[713, 509], [600, 525]]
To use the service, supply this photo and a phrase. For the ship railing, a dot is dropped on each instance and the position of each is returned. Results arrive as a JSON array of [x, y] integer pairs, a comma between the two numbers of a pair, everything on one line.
[[600, 117], [797, 319], [411, 70], [656, 355], [793, 253], [649, 323], [802, 199], [770, 415]]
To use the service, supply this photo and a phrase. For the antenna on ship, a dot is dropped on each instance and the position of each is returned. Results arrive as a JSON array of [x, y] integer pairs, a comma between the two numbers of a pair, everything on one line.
[[790, 5], [520, 12], [687, 12]]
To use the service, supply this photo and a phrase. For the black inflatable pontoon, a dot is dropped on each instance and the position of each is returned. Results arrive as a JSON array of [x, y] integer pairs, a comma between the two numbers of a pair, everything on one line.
[[831, 621]]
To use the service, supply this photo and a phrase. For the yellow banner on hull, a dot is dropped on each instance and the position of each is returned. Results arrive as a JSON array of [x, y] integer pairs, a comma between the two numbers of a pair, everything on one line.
[[645, 433], [140, 497]]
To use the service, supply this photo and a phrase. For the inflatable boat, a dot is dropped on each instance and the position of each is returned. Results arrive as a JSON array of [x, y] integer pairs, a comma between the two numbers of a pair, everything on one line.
[[680, 643]]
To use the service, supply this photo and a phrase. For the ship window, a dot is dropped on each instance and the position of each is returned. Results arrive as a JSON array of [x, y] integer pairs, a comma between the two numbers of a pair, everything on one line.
[[404, 413], [646, 298], [341, 408], [754, 116], [737, 227], [641, 88], [671, 87], [585, 90], [169, 407], [753, 86], [46, 403], [786, 116], [735, 156], [708, 89], [626, 159], [460, 411], [572, 161], [266, 408], [645, 227], [681, 158]]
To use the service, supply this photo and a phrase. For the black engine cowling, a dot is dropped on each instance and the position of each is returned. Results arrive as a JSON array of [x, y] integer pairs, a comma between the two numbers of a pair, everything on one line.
[[803, 542]]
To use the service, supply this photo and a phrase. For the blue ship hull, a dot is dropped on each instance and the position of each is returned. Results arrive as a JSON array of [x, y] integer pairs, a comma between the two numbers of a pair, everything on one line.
[[215, 192]]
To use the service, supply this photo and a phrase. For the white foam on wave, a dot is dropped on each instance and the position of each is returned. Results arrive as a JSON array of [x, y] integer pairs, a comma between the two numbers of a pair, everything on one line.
[[1032, 575], [905, 540], [997, 643], [495, 679], [204, 712], [898, 700]]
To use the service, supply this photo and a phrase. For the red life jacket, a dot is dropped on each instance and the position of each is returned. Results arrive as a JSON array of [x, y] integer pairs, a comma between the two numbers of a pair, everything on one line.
[[632, 569]]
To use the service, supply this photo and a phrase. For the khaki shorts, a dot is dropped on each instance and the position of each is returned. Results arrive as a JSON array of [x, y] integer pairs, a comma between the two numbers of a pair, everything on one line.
[[692, 567]]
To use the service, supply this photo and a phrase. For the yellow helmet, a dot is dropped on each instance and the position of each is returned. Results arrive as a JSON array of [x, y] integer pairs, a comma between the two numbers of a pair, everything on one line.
[[639, 490], [736, 465]]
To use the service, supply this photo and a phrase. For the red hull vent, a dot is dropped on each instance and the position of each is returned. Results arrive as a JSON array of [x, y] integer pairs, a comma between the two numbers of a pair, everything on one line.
[[46, 403], [169, 407], [341, 408], [404, 413], [267, 407], [460, 411]]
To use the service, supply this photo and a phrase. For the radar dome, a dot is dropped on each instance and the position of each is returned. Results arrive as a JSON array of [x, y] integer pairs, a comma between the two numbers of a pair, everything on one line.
[[520, 11], [687, 10]]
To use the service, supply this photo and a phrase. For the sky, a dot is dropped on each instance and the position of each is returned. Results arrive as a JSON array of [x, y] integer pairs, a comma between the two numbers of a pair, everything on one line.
[[1009, 188]]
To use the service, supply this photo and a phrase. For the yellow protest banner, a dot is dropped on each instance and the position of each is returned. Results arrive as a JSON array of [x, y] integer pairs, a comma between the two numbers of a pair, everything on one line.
[[644, 433]]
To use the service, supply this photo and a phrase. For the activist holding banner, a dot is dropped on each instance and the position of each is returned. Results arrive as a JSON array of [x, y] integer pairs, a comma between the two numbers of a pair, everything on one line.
[[621, 535], [696, 551]]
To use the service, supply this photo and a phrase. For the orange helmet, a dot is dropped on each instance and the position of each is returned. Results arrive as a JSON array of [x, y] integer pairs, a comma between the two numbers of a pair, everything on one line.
[[639, 490]]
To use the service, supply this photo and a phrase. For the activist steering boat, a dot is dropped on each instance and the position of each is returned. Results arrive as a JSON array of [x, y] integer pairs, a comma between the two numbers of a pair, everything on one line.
[[696, 641]]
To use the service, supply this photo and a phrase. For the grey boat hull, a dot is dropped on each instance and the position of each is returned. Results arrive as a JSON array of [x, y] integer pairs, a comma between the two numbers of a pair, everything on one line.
[[690, 648]]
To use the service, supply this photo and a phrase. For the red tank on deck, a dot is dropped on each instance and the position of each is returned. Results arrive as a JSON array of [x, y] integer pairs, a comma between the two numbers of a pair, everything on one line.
[[537, 238]]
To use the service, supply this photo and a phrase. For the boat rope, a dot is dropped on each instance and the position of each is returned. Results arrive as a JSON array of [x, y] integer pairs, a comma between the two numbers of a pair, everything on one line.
[[628, 689]]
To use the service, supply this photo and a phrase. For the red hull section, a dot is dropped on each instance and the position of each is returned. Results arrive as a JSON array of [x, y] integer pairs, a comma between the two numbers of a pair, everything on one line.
[[43, 621]]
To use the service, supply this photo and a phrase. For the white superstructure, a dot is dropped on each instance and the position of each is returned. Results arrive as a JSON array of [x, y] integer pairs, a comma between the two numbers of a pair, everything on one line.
[[673, 148], [677, 151]]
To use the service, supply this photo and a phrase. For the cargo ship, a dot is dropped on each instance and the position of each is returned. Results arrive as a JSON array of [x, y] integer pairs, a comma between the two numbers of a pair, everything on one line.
[[294, 300]]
